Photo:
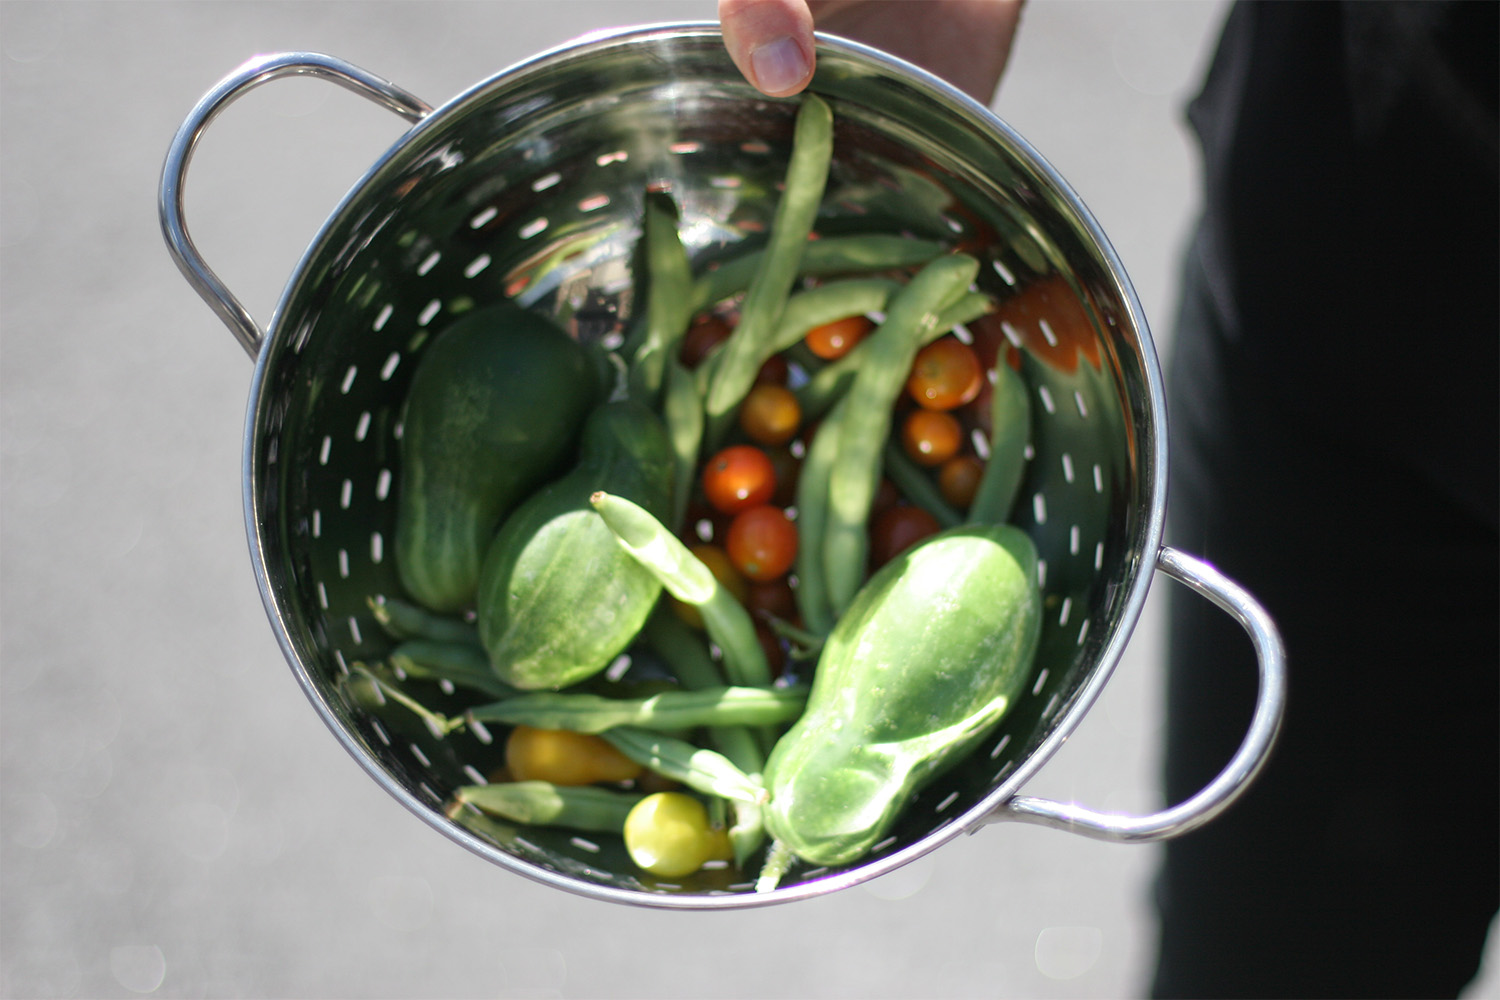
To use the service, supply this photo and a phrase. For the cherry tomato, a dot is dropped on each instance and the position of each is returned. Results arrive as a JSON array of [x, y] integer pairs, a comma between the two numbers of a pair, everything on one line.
[[739, 477], [770, 645], [770, 414], [565, 758], [931, 437], [717, 561], [773, 598], [774, 371], [958, 479], [898, 529], [668, 834], [788, 468], [762, 542], [834, 340], [704, 334], [946, 374]]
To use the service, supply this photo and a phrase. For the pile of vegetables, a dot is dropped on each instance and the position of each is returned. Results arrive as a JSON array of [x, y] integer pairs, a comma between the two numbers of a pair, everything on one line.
[[789, 485]]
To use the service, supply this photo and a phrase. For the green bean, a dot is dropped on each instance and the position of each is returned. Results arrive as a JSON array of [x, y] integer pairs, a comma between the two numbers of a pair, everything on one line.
[[855, 475], [455, 662], [668, 302], [701, 770], [682, 409], [403, 620], [917, 486], [750, 344], [669, 711], [812, 520], [1010, 432], [832, 255], [541, 803], [688, 659], [686, 578], [827, 303], [818, 393]]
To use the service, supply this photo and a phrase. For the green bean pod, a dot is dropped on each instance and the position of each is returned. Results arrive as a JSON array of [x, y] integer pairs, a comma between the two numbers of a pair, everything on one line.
[[751, 343], [541, 803], [404, 620], [455, 662], [1010, 433], [855, 475], [832, 255], [812, 520], [682, 409], [836, 300], [916, 485], [686, 578], [688, 659], [669, 711], [668, 298], [701, 770], [831, 381]]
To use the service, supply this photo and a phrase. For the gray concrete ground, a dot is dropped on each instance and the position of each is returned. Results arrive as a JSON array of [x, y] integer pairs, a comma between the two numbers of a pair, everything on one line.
[[176, 819]]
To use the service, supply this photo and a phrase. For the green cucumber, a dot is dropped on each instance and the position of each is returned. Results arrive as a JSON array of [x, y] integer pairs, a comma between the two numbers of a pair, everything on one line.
[[494, 410], [559, 598], [929, 656]]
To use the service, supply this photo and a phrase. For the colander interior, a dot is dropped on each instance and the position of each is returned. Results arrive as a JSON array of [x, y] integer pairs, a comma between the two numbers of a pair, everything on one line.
[[530, 185]]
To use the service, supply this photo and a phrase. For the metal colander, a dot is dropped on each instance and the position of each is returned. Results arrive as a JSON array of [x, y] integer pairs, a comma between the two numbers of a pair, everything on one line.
[[530, 185]]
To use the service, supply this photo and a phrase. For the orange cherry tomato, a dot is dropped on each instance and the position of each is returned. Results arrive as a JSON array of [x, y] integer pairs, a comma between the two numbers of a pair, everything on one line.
[[738, 478], [931, 437], [897, 529], [945, 375], [704, 334], [834, 340], [958, 479], [770, 414], [762, 543]]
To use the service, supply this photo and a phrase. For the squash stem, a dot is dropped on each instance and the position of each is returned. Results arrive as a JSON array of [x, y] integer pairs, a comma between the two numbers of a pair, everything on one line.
[[779, 858]]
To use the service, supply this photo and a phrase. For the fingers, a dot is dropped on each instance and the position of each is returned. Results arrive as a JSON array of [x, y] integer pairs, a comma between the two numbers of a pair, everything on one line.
[[771, 41]]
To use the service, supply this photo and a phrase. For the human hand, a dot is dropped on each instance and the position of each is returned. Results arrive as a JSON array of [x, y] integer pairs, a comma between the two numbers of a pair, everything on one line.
[[966, 42]]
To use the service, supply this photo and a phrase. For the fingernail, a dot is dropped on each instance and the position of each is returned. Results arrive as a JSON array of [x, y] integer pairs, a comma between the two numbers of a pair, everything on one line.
[[779, 65]]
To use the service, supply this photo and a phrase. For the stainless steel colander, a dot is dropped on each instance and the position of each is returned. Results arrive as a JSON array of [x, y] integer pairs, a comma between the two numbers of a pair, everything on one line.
[[530, 185]]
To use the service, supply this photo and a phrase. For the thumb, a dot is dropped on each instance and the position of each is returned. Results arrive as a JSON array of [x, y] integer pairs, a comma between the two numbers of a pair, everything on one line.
[[771, 41]]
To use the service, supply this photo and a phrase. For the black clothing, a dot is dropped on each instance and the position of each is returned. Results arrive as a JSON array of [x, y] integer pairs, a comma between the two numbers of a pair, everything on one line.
[[1333, 416]]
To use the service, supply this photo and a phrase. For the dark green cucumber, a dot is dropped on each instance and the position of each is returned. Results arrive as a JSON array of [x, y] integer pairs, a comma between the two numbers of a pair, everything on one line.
[[559, 598], [494, 410], [929, 656]]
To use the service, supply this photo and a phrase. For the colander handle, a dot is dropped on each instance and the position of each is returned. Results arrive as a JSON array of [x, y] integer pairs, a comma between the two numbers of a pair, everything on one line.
[[1236, 776], [248, 76]]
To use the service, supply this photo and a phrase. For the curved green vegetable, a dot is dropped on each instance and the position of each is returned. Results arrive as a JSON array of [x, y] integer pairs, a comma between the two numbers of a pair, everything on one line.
[[924, 664], [1010, 433], [666, 711], [493, 411], [888, 354], [558, 598], [541, 803]]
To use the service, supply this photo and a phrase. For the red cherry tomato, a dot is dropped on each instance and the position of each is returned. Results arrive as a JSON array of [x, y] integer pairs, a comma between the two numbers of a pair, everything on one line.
[[946, 374], [704, 334], [834, 340], [773, 599], [898, 529], [774, 371], [770, 414], [762, 543], [931, 437], [739, 477], [958, 479]]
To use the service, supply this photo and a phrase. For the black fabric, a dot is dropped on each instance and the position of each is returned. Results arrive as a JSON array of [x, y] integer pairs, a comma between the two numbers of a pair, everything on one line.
[[1333, 417]]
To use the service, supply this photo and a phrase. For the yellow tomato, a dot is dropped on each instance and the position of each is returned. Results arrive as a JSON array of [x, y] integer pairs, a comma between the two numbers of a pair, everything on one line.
[[565, 758], [668, 834]]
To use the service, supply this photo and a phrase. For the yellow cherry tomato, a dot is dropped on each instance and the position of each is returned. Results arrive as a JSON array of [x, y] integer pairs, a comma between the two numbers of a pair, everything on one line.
[[668, 834], [565, 758]]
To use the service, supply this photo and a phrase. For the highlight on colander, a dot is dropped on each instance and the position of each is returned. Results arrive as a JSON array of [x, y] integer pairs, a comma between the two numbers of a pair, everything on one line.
[[694, 499]]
